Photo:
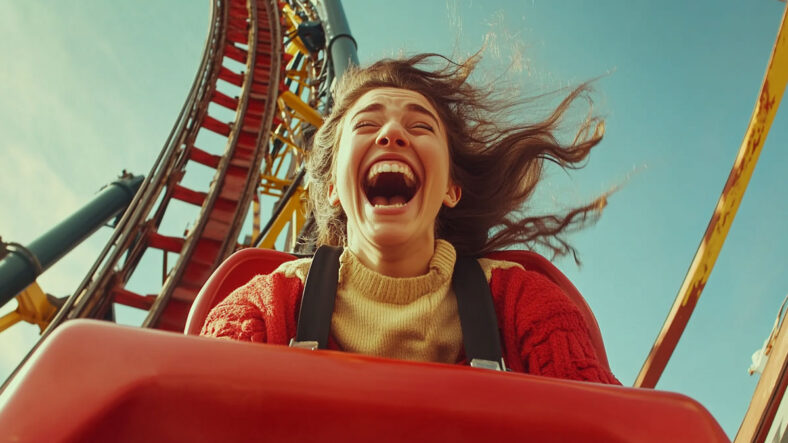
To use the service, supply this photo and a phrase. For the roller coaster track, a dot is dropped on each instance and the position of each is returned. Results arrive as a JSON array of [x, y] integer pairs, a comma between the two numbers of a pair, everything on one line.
[[275, 58], [248, 33]]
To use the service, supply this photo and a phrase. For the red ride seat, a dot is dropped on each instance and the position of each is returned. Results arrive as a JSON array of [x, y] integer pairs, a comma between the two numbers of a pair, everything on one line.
[[233, 273], [105, 382], [242, 266]]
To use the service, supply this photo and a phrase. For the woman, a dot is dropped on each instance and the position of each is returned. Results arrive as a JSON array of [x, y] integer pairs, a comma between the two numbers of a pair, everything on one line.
[[410, 169]]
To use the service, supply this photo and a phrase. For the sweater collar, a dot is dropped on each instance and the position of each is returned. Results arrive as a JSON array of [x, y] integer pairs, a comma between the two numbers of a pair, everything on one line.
[[398, 290]]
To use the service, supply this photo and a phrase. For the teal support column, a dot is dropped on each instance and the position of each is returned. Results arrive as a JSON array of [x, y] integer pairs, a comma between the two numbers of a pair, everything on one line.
[[340, 46], [21, 265]]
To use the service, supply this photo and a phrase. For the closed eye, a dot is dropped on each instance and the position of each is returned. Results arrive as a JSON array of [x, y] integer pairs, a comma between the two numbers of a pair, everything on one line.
[[425, 126], [363, 124]]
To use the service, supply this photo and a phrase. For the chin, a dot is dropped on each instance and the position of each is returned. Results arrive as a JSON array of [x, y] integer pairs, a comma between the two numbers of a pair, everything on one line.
[[392, 238]]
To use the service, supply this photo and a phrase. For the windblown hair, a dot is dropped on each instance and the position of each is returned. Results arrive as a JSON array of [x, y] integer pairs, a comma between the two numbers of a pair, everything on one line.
[[497, 164]]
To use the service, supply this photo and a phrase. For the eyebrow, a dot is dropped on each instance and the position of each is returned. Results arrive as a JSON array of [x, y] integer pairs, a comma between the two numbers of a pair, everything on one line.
[[413, 107]]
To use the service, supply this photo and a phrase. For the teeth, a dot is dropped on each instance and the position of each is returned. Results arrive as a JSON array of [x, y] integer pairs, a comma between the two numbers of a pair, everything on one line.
[[392, 166], [383, 202]]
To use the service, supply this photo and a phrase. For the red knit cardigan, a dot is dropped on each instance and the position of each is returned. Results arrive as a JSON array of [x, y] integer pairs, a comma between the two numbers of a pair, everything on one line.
[[542, 331]]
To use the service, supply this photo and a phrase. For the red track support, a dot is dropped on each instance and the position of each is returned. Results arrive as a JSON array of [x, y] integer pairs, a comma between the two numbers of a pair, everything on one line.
[[164, 242], [187, 195], [216, 126], [235, 53], [198, 155], [225, 100], [127, 298], [231, 77]]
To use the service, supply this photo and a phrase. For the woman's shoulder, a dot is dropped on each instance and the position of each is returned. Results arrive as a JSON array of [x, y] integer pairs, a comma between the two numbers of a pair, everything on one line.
[[295, 268], [510, 280], [264, 287], [489, 265]]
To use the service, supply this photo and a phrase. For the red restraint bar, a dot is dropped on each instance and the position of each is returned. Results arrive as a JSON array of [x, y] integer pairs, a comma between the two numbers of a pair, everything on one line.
[[94, 381]]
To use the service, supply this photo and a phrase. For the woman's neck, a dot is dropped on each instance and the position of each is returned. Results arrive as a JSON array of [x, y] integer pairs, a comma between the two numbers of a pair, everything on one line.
[[404, 260]]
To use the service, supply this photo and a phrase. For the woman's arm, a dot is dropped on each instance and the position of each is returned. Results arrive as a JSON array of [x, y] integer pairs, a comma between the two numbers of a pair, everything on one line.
[[543, 331], [264, 310]]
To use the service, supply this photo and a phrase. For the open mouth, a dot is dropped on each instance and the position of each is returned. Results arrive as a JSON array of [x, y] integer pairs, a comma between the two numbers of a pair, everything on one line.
[[390, 184]]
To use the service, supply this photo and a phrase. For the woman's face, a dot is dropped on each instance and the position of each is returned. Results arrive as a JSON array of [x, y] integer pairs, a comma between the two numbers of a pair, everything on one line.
[[392, 171]]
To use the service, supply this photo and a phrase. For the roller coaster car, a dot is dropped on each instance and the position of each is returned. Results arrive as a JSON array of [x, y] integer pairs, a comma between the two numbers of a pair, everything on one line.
[[94, 381]]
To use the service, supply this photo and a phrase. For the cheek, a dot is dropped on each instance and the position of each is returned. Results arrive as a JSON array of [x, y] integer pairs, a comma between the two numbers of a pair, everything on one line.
[[439, 166], [345, 170]]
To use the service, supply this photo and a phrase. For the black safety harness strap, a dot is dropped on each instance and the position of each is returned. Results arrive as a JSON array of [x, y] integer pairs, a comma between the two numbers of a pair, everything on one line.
[[477, 315], [317, 303], [474, 303]]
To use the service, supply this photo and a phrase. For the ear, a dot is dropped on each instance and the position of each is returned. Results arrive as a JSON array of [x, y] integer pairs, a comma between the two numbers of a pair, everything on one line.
[[453, 195], [333, 197]]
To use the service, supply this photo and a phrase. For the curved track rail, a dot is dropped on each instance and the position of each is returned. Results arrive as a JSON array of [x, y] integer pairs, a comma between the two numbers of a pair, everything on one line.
[[241, 32]]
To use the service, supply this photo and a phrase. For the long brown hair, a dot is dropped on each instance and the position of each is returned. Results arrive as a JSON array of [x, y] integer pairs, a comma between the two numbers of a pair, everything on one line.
[[496, 163]]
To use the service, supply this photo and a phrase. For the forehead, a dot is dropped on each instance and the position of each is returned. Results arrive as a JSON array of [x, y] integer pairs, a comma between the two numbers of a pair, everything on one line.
[[392, 98]]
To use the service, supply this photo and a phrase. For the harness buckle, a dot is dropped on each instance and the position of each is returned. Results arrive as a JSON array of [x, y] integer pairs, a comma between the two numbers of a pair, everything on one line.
[[311, 344], [488, 364]]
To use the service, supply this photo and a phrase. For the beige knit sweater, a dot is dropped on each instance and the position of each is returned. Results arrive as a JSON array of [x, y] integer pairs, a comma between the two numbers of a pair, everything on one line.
[[411, 318]]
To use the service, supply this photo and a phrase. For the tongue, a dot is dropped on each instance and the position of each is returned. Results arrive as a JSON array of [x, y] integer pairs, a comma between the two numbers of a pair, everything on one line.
[[383, 201]]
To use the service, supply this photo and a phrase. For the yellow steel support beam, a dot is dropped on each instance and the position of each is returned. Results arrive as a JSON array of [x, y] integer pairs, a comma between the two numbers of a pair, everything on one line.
[[9, 320], [297, 222], [301, 109], [33, 306], [300, 75], [278, 183], [295, 47], [293, 206], [289, 143], [774, 83], [256, 216], [271, 185], [293, 112], [293, 20]]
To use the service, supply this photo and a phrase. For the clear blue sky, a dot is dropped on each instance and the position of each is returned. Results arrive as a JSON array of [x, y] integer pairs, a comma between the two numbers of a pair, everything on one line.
[[88, 91]]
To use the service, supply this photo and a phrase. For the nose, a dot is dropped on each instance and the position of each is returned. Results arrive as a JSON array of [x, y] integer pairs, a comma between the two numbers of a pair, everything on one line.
[[391, 136]]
